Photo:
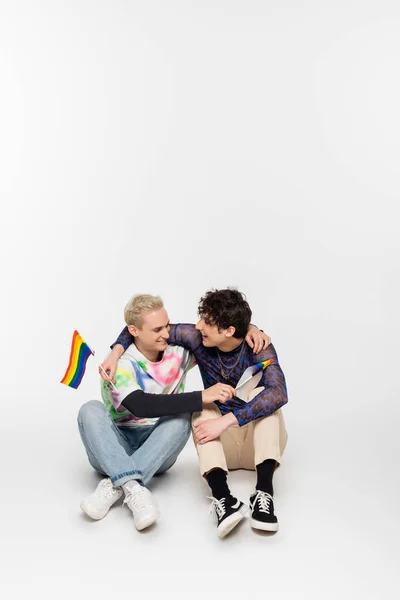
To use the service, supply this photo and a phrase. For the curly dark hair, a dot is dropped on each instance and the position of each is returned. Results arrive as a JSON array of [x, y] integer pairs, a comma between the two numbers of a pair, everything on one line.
[[226, 308]]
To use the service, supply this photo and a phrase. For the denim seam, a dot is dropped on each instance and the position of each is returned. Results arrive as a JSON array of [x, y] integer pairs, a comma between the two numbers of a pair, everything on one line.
[[126, 474]]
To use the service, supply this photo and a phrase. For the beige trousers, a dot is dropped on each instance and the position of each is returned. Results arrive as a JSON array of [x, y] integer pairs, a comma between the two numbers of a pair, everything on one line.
[[242, 447]]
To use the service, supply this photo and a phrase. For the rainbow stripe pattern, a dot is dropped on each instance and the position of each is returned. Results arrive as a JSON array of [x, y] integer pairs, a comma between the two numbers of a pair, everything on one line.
[[78, 357], [262, 365]]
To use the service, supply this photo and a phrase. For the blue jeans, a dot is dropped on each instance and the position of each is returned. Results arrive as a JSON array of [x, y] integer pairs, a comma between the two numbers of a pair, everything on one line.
[[124, 453]]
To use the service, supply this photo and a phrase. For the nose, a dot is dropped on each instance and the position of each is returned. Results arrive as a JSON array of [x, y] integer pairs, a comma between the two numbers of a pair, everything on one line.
[[200, 325]]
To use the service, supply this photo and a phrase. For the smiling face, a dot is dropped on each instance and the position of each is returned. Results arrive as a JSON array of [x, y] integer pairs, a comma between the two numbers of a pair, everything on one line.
[[152, 336], [211, 335]]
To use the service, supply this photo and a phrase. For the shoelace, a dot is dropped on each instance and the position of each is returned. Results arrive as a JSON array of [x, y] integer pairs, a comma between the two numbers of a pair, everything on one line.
[[264, 500], [218, 506], [106, 489], [135, 498]]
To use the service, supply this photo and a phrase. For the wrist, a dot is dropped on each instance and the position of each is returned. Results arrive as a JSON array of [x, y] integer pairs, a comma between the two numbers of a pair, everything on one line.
[[117, 351], [229, 420]]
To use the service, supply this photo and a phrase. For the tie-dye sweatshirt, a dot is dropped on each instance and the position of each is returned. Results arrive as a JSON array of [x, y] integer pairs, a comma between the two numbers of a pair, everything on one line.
[[136, 372]]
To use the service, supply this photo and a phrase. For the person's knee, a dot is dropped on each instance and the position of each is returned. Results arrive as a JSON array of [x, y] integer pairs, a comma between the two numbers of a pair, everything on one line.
[[195, 418], [184, 424], [206, 414], [167, 465], [90, 412], [179, 425]]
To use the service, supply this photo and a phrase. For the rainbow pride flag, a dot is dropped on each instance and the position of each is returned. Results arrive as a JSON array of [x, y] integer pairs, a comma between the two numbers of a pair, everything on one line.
[[262, 365], [78, 357], [250, 379]]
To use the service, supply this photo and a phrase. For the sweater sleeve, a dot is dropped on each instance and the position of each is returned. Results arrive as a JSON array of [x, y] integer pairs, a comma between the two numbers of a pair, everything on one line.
[[182, 334], [124, 338], [274, 394], [142, 404], [185, 335]]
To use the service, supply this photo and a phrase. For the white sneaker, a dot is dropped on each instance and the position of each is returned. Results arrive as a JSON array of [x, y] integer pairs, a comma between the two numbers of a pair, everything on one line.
[[142, 504], [99, 503]]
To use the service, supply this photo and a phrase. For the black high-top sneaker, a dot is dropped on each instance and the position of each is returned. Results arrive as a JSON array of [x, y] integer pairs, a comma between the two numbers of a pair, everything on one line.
[[228, 515], [262, 511]]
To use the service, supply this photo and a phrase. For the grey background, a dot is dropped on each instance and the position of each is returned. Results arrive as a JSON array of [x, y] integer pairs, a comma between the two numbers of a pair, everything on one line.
[[168, 147]]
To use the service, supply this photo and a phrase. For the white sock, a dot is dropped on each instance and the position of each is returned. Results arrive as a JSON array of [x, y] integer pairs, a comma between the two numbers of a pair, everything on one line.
[[129, 486]]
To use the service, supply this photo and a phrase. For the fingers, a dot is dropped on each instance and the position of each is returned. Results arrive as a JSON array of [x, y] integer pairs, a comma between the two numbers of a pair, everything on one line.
[[198, 433], [267, 342], [220, 392], [226, 392], [107, 373], [223, 396], [201, 437], [261, 343], [104, 372], [255, 342], [249, 341]]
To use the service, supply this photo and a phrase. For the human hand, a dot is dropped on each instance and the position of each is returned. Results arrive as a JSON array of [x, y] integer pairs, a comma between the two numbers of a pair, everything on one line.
[[206, 431], [256, 339], [108, 367], [220, 391]]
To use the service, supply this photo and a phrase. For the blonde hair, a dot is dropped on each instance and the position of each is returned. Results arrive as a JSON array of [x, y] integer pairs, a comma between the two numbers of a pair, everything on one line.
[[139, 304]]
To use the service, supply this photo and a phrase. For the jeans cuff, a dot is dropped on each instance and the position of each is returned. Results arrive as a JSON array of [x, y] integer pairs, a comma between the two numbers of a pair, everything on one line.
[[122, 478]]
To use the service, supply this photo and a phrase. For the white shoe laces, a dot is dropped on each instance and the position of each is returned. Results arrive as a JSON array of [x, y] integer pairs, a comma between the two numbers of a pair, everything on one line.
[[135, 498], [264, 500], [218, 506], [105, 490]]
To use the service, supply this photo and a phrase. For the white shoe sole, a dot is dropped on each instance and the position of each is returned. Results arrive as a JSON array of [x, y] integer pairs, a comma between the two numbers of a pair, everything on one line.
[[94, 516], [230, 522], [146, 522], [264, 526]]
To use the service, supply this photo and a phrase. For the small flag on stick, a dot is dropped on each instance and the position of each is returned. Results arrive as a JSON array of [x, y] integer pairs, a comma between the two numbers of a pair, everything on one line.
[[78, 357]]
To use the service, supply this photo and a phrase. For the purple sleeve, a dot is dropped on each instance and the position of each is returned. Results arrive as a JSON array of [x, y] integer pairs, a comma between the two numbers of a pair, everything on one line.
[[124, 338], [185, 335], [274, 395]]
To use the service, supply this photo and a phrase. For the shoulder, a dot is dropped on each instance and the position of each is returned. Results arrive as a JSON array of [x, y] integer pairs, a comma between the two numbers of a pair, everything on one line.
[[187, 329], [173, 350], [267, 354], [130, 353], [187, 334]]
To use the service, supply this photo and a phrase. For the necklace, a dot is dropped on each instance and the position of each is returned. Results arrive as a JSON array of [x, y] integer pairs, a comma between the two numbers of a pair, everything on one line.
[[225, 374]]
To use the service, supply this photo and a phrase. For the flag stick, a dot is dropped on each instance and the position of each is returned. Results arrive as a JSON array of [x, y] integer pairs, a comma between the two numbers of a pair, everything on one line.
[[108, 379]]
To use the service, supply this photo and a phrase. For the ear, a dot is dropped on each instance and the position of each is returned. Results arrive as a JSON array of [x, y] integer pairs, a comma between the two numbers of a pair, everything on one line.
[[132, 330], [230, 331]]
